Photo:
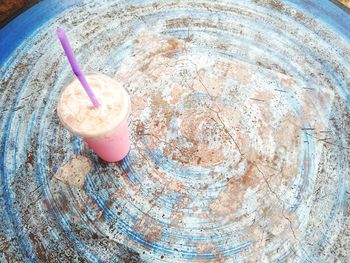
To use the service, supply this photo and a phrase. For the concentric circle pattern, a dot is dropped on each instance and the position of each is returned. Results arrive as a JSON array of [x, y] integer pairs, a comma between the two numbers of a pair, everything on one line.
[[240, 136]]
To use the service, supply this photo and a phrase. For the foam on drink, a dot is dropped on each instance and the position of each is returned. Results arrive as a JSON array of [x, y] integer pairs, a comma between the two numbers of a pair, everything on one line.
[[78, 114]]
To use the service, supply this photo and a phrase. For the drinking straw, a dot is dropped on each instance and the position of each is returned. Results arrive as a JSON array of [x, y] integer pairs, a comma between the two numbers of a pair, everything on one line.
[[75, 67]]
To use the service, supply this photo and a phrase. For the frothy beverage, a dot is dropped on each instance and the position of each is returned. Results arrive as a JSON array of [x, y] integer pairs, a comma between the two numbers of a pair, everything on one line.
[[105, 129]]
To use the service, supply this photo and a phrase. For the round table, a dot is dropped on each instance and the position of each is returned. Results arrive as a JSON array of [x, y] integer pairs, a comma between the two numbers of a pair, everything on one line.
[[240, 133]]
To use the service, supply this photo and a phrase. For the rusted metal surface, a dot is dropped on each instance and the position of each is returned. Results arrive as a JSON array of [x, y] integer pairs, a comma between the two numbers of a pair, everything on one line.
[[240, 136], [345, 2], [9, 9]]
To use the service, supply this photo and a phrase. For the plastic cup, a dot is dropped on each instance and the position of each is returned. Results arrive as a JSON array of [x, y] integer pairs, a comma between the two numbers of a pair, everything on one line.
[[112, 147], [105, 129]]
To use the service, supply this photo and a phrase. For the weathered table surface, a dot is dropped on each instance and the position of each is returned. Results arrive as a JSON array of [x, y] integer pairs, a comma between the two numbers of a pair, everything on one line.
[[240, 134]]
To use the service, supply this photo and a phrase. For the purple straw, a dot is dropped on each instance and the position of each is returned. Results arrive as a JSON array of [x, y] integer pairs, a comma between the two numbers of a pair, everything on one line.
[[75, 67]]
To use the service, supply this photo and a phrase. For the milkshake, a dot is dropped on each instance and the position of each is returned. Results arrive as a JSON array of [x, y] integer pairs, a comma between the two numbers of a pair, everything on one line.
[[105, 129]]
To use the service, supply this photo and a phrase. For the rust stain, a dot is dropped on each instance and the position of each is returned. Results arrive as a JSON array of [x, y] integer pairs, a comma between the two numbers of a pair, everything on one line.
[[345, 2], [81, 206], [250, 178], [229, 200], [30, 158], [138, 104], [177, 91], [237, 71], [164, 108], [198, 127], [177, 218], [168, 49], [39, 248], [149, 228], [288, 82], [94, 206], [175, 186], [203, 248], [178, 22], [184, 202], [277, 5], [118, 194], [273, 225], [209, 248], [171, 50]]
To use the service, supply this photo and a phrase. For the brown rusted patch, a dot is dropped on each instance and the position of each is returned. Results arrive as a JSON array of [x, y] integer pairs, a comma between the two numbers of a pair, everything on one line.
[[204, 248], [21, 66], [177, 217], [155, 133], [288, 82], [81, 206], [170, 184], [209, 248], [287, 133], [300, 16], [118, 194], [274, 224], [165, 48], [60, 201], [10, 9], [317, 104], [39, 248], [250, 179], [176, 92], [138, 104], [158, 128], [194, 126], [203, 187], [30, 158], [287, 140], [140, 129], [238, 71], [178, 22], [345, 2], [184, 202], [203, 215], [190, 22], [149, 228], [230, 199], [207, 82], [276, 5], [198, 128], [284, 225], [325, 99], [173, 45], [260, 167], [175, 186], [154, 57], [160, 104], [134, 188], [94, 206], [246, 147], [265, 110], [145, 67]]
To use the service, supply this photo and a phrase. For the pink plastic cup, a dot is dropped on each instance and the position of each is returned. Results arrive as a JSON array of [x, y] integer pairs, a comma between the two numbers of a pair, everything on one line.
[[112, 147], [109, 136]]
